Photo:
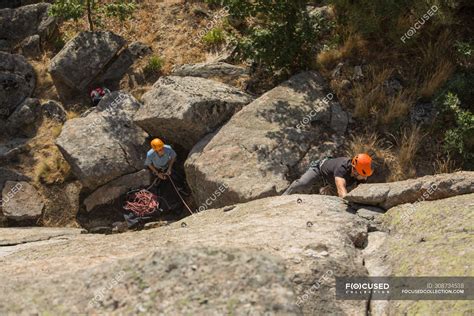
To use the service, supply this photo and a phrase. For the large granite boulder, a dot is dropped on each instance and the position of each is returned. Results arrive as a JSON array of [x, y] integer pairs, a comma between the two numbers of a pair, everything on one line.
[[21, 201], [388, 195], [440, 230], [257, 150], [17, 82], [183, 109], [104, 144], [20, 23], [83, 58], [116, 188], [276, 256]]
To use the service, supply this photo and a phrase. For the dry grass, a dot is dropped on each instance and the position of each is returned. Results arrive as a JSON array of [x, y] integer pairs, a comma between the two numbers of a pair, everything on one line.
[[51, 167], [45, 88], [327, 60], [168, 27], [44, 163], [393, 161], [437, 78], [433, 65], [397, 106], [72, 115], [444, 165], [407, 146], [368, 96]]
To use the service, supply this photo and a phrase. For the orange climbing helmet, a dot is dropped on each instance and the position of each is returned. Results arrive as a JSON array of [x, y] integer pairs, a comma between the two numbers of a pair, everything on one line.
[[363, 165], [157, 144]]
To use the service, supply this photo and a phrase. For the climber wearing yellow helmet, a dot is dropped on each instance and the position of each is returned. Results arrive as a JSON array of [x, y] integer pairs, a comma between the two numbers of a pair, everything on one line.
[[160, 159]]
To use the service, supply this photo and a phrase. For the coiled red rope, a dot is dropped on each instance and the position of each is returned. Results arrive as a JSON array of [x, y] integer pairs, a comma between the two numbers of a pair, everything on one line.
[[142, 203]]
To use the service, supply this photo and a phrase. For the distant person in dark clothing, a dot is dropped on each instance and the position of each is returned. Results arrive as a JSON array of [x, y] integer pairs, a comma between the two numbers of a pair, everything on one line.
[[339, 173]]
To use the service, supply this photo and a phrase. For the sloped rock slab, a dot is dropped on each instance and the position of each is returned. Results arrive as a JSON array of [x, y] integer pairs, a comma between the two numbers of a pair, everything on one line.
[[20, 235], [278, 255], [388, 195]]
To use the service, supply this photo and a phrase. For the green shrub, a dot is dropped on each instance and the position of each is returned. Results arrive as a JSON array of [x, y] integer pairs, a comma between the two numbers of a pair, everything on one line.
[[459, 140], [277, 34], [154, 65], [214, 37], [461, 85]]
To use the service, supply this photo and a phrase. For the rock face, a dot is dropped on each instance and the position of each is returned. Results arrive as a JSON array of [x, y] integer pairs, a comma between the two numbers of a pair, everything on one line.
[[183, 109], [121, 64], [62, 203], [8, 153], [18, 24], [31, 46], [219, 70], [25, 114], [83, 58], [253, 264], [104, 144], [54, 110], [435, 187], [17, 82], [116, 188], [261, 145], [21, 201], [440, 230]]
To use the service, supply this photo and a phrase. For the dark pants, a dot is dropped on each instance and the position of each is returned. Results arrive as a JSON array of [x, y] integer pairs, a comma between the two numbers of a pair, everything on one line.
[[305, 181]]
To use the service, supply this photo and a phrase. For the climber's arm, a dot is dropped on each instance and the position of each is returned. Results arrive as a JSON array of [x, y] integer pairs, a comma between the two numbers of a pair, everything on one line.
[[341, 186]]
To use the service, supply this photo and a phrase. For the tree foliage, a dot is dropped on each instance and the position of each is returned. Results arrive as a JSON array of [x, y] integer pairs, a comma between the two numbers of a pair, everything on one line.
[[276, 33], [94, 10]]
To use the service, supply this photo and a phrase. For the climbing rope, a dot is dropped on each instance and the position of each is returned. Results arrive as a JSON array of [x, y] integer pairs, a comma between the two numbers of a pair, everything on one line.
[[177, 192], [143, 202]]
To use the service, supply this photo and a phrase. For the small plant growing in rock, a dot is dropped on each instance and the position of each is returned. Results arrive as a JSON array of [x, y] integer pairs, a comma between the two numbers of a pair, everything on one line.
[[92, 10], [214, 37], [154, 65]]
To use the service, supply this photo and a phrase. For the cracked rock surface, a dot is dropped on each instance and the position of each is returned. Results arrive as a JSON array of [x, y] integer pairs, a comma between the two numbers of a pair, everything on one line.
[[261, 144], [259, 257], [104, 144]]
